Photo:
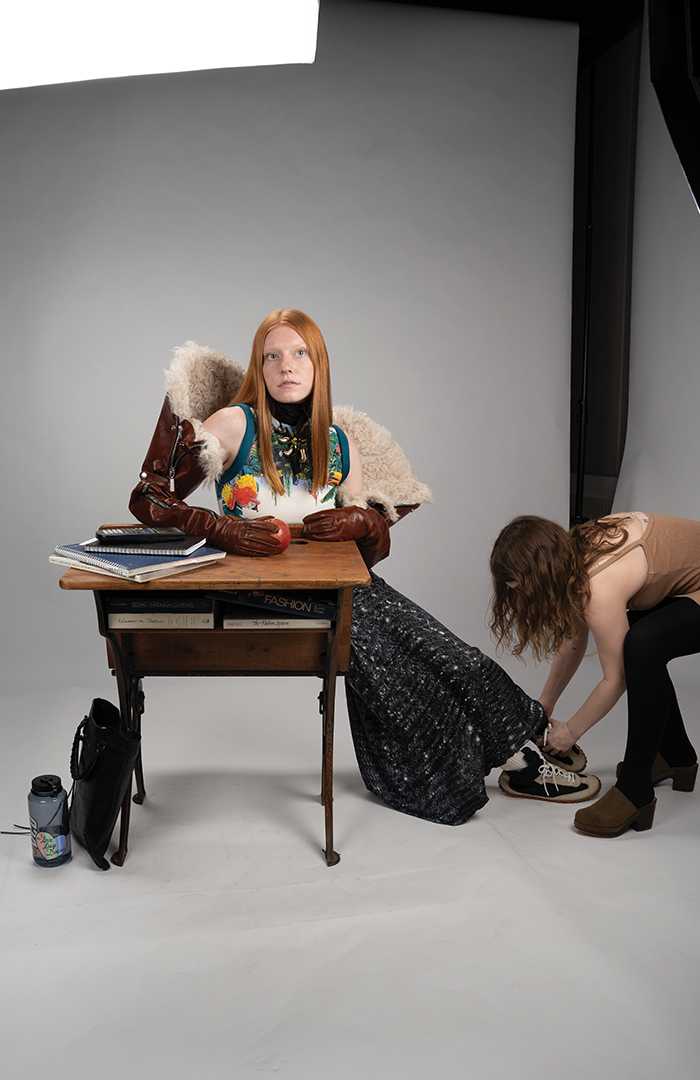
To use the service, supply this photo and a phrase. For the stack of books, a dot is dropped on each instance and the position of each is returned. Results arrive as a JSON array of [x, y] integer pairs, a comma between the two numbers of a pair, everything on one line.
[[134, 564]]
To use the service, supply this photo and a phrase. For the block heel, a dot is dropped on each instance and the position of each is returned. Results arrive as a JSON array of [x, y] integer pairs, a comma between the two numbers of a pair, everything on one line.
[[645, 819], [684, 777], [614, 814]]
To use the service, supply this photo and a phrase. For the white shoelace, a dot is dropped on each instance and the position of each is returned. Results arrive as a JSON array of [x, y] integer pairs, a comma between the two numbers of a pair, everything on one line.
[[550, 773], [553, 773]]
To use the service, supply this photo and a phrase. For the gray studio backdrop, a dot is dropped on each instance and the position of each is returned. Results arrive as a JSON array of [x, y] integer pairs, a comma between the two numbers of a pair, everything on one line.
[[411, 190]]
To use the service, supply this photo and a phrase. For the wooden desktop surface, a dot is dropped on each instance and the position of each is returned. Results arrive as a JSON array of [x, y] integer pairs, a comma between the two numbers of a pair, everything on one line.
[[304, 565]]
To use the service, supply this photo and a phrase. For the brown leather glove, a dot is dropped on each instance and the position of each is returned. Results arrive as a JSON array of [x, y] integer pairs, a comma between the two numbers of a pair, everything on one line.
[[247, 536], [367, 528], [171, 470], [155, 505]]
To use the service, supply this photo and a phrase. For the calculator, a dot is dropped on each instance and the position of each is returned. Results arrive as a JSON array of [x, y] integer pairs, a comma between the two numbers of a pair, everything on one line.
[[138, 534]]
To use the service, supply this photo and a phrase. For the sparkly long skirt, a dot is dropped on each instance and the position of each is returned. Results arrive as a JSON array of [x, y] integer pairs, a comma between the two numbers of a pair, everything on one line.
[[430, 715]]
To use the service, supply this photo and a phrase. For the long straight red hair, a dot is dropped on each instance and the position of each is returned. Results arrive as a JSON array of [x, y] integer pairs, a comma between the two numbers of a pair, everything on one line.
[[254, 393]]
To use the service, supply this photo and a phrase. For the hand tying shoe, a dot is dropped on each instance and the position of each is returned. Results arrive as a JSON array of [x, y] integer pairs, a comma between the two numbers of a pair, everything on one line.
[[527, 775], [683, 776], [572, 760], [614, 814]]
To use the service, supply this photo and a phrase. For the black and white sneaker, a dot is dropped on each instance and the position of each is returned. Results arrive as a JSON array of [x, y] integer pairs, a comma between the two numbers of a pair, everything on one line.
[[530, 776], [573, 760]]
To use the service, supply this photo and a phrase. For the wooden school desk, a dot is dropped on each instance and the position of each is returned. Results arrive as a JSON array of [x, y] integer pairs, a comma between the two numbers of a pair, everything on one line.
[[134, 654]]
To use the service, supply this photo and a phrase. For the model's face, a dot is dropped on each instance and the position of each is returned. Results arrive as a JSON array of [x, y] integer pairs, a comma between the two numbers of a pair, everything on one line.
[[288, 369]]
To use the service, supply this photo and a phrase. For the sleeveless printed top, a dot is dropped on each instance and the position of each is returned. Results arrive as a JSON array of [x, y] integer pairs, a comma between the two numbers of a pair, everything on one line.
[[243, 491]]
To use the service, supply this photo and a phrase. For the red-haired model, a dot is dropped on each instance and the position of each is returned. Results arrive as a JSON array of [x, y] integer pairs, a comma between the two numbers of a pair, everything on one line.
[[430, 715]]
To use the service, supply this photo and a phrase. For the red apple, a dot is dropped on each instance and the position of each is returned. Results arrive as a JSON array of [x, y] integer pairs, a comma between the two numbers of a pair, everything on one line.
[[285, 537]]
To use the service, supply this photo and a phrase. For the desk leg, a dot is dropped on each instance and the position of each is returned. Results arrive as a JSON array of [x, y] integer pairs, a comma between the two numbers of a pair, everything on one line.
[[124, 817], [137, 709], [328, 710], [131, 702], [136, 700], [332, 857]]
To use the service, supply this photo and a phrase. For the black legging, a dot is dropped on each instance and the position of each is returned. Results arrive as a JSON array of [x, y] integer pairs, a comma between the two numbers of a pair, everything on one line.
[[655, 724]]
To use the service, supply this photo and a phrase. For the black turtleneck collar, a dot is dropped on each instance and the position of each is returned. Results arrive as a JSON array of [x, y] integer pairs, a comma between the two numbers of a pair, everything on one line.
[[294, 413]]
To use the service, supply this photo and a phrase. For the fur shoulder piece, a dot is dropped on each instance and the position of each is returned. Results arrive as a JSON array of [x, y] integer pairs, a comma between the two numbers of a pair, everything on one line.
[[200, 381], [387, 474]]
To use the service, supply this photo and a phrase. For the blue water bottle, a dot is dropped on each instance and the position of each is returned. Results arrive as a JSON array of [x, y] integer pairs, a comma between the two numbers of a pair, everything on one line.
[[48, 819]]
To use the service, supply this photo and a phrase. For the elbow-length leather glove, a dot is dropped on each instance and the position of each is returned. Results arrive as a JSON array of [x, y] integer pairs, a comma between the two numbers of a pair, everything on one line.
[[240, 536], [366, 527], [170, 472]]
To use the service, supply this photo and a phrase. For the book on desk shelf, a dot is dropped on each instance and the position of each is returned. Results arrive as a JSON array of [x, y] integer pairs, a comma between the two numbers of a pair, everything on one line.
[[281, 603], [159, 610], [139, 568], [240, 617], [160, 620], [163, 601]]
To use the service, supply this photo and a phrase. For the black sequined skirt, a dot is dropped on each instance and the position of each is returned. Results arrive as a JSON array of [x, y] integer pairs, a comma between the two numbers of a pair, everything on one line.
[[430, 715]]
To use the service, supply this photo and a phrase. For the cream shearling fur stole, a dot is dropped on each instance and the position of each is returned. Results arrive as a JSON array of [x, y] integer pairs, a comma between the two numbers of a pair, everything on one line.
[[201, 381]]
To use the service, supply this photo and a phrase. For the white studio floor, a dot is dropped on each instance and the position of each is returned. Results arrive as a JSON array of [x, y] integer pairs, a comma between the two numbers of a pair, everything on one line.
[[225, 947]]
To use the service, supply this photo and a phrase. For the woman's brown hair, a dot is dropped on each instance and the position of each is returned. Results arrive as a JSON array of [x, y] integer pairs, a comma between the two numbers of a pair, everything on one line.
[[548, 568], [254, 393]]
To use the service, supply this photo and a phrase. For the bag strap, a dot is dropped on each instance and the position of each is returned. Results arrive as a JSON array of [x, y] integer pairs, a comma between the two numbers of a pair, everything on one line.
[[75, 753]]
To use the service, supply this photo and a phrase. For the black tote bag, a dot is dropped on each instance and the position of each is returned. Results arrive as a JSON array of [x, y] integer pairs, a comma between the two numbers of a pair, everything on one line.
[[102, 760]]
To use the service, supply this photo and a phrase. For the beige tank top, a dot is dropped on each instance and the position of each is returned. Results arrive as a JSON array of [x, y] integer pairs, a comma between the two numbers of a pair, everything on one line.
[[672, 549]]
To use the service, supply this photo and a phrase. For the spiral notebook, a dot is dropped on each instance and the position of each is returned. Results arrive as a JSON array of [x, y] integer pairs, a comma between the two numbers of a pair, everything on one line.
[[138, 568]]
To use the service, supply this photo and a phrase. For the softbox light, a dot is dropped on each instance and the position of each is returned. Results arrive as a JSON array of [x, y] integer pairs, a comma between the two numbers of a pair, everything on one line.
[[54, 41]]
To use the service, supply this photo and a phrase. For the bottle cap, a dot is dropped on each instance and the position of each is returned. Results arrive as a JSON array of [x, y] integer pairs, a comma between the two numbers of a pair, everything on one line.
[[47, 784]]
